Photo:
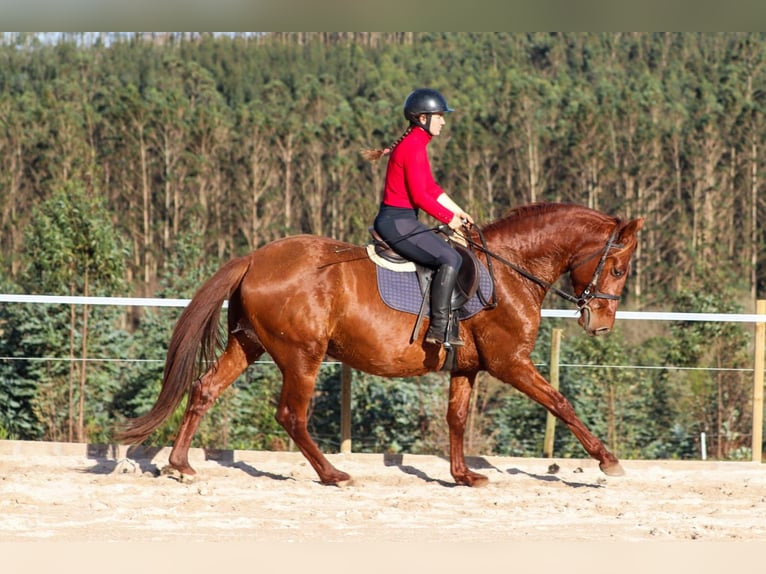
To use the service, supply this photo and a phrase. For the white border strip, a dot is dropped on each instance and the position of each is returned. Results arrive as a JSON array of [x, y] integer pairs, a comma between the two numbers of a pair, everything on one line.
[[560, 313], [71, 300], [660, 316]]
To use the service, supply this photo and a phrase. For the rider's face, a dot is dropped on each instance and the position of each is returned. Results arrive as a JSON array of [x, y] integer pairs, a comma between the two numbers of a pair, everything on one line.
[[437, 123]]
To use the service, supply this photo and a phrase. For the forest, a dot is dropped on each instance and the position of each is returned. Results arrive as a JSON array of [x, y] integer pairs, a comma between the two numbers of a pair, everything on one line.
[[137, 164]]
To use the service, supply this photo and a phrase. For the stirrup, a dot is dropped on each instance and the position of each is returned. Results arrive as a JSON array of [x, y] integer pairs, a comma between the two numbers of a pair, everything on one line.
[[448, 341]]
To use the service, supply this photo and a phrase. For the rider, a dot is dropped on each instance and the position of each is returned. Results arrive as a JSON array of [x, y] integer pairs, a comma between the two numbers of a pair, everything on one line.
[[409, 187]]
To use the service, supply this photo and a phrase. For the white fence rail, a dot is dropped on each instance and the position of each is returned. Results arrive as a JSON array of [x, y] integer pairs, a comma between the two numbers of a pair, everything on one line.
[[559, 313]]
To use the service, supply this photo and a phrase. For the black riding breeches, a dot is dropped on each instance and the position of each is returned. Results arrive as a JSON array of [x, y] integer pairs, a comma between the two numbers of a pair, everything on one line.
[[413, 240]]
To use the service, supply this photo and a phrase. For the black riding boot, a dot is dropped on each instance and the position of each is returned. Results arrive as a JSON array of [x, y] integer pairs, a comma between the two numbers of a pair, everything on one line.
[[442, 285]]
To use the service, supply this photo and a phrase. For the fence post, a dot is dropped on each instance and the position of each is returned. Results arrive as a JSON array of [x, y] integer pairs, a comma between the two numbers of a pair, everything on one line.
[[345, 409], [550, 420], [760, 339]]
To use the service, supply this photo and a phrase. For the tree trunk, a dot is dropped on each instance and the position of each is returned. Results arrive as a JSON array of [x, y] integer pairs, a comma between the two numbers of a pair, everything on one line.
[[286, 154], [754, 221], [532, 163], [146, 195]]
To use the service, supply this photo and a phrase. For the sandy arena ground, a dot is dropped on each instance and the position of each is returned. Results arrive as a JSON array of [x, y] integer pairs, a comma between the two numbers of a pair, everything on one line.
[[58, 492]]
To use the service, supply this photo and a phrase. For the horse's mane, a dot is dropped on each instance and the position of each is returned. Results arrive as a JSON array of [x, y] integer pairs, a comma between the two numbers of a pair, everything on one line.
[[544, 208], [533, 208], [588, 220]]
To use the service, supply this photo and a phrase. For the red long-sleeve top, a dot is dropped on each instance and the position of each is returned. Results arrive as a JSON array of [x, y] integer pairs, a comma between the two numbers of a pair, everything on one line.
[[409, 181]]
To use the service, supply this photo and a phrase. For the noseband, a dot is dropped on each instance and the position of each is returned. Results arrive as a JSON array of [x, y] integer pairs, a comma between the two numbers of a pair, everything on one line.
[[591, 290]]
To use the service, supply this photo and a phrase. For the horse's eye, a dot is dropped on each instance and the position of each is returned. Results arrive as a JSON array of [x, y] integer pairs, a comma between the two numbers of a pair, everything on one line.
[[618, 272]]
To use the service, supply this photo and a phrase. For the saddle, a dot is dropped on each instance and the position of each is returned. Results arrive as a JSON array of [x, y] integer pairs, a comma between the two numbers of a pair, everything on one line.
[[468, 278], [473, 289]]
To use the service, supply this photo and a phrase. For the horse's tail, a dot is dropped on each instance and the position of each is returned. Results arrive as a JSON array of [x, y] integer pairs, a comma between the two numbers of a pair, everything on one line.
[[192, 348]]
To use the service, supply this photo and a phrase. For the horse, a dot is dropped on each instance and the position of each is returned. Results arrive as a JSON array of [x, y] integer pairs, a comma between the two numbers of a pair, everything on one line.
[[304, 298]]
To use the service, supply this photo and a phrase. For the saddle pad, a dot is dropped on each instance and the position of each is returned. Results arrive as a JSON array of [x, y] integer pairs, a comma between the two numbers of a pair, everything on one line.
[[401, 291]]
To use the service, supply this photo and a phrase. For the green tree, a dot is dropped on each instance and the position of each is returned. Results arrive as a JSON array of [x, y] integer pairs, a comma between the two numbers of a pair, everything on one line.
[[187, 269], [610, 396], [388, 415], [18, 387], [712, 395], [254, 136], [71, 248], [516, 424]]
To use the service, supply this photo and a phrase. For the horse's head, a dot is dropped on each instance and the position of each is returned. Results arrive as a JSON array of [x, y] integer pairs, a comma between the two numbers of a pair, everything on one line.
[[599, 278]]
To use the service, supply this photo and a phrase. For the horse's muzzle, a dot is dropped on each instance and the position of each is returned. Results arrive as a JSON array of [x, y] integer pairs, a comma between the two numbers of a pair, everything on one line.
[[588, 322]]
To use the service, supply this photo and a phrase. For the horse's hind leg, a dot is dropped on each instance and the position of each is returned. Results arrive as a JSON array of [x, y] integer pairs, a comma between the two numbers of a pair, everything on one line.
[[292, 414], [204, 392], [457, 414]]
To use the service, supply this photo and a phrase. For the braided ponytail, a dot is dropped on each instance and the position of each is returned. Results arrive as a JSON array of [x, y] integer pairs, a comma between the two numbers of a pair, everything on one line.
[[376, 154]]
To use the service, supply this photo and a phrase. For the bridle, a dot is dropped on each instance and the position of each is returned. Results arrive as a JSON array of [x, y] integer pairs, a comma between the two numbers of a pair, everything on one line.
[[583, 300]]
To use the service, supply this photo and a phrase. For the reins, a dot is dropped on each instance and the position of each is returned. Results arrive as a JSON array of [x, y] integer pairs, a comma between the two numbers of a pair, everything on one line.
[[589, 293]]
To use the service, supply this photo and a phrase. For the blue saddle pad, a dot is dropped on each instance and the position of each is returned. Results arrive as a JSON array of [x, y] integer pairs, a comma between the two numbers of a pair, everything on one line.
[[401, 291]]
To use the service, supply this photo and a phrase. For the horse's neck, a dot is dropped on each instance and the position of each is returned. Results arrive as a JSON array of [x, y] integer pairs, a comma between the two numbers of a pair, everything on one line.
[[547, 255]]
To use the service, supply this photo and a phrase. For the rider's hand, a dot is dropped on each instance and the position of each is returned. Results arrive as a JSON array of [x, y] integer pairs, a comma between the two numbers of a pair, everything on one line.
[[459, 220]]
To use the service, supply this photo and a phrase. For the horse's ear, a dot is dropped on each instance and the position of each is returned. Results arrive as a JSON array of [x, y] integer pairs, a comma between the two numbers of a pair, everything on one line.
[[631, 228]]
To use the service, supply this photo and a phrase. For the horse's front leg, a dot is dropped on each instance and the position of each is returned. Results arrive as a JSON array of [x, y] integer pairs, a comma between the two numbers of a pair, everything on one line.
[[529, 381], [457, 413]]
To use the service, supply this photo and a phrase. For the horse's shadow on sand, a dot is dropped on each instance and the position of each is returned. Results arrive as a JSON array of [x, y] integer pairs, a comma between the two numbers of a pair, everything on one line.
[[397, 460], [139, 460], [553, 478], [110, 461], [477, 463], [254, 472]]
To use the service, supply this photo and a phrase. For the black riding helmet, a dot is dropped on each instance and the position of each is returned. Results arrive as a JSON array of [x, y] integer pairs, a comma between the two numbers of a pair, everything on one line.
[[424, 101]]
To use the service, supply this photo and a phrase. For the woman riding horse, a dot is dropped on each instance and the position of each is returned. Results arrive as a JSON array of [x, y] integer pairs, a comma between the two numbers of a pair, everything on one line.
[[304, 298], [409, 187]]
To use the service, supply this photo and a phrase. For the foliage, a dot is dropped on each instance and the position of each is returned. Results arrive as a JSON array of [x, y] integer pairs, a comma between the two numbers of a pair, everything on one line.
[[516, 424], [615, 402], [186, 271], [715, 401], [135, 164], [18, 387], [388, 415], [252, 137], [72, 249]]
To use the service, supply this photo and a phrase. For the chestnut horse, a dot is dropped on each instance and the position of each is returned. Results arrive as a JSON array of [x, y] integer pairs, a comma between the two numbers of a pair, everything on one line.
[[303, 298]]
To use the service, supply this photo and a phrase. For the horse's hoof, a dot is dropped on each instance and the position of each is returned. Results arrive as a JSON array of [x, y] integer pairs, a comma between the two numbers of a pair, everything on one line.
[[175, 474], [612, 469], [126, 466], [340, 480], [473, 479]]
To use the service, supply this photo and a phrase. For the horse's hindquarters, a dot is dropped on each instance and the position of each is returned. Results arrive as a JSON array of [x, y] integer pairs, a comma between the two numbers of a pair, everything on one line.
[[308, 296]]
